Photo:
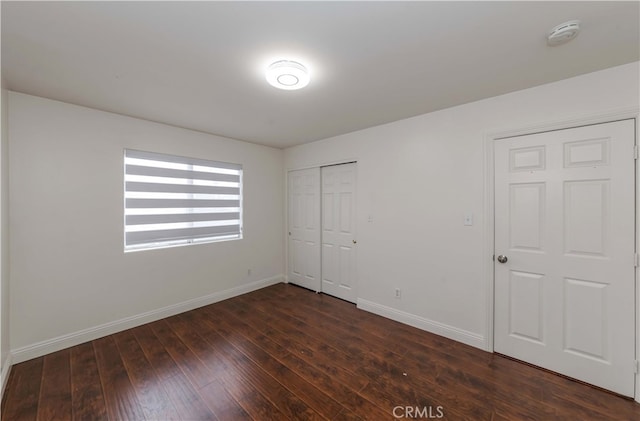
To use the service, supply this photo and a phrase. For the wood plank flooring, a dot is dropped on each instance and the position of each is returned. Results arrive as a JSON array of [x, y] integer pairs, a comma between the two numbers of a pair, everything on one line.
[[285, 353]]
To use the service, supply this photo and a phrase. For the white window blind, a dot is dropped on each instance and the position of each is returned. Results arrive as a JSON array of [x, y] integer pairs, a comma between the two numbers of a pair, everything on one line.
[[174, 200]]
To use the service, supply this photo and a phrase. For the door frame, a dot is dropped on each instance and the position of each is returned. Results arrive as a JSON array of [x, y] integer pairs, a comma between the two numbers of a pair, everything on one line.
[[490, 138]]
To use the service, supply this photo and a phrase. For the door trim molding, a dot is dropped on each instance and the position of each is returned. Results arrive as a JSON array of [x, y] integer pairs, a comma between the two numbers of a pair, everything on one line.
[[489, 140], [322, 164], [4, 375]]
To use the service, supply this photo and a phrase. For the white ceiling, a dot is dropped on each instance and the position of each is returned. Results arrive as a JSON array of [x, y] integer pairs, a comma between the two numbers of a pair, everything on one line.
[[200, 65]]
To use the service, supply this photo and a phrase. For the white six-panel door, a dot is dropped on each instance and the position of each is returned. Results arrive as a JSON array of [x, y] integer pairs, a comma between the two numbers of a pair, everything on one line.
[[564, 219], [304, 228], [338, 231]]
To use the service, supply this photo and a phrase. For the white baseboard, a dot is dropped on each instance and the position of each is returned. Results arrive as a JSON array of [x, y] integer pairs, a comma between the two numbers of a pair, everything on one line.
[[65, 341], [438, 328], [4, 375]]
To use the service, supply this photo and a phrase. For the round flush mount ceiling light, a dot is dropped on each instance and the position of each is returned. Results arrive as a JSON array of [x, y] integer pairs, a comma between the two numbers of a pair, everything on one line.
[[564, 32], [288, 75]]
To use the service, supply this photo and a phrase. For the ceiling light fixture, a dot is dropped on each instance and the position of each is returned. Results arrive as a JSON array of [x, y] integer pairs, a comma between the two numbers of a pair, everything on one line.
[[564, 32], [287, 75]]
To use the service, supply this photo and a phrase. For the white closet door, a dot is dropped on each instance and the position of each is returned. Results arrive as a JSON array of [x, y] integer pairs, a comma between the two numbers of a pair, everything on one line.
[[338, 231], [564, 233], [304, 228]]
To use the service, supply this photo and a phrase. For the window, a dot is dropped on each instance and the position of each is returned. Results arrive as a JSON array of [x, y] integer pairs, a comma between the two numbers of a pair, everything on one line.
[[172, 200]]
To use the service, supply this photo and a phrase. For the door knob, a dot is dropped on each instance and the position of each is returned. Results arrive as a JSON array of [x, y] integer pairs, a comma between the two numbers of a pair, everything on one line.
[[502, 259], [354, 241]]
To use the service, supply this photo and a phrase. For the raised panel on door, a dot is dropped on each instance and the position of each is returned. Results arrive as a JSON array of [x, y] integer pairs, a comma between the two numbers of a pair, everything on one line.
[[564, 218], [526, 216], [585, 318], [586, 219], [526, 306], [338, 231], [304, 228]]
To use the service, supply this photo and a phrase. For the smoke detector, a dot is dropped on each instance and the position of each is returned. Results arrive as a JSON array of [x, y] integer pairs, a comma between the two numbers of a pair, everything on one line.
[[564, 32]]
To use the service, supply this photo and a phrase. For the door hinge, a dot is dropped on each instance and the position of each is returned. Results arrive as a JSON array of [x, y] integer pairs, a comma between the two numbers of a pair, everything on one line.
[[636, 260], [635, 152], [494, 258], [636, 366]]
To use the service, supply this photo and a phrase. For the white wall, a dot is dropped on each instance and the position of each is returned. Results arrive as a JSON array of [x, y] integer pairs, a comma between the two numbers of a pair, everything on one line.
[[5, 360], [68, 269], [417, 178]]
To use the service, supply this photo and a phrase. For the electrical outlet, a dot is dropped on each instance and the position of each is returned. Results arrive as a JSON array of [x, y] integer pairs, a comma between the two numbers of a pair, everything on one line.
[[397, 292]]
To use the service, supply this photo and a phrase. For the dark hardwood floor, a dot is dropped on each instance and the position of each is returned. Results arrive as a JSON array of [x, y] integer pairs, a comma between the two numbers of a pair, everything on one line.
[[285, 353]]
